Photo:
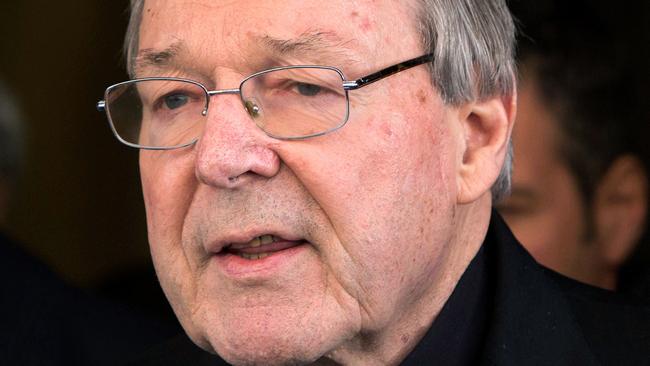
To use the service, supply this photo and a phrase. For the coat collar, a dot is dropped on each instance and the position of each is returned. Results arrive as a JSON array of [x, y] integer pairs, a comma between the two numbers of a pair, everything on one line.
[[531, 322]]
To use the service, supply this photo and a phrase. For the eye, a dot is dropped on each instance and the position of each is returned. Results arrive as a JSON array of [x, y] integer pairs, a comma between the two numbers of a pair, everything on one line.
[[174, 101], [308, 90]]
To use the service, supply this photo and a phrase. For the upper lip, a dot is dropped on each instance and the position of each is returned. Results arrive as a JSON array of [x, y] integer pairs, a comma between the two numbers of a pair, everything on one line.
[[218, 245]]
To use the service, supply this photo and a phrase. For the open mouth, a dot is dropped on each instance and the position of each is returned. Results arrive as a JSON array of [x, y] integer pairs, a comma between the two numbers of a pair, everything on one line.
[[260, 247]]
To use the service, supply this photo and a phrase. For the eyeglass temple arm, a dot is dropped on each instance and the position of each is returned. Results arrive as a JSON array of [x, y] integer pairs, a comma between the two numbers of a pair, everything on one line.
[[369, 79]]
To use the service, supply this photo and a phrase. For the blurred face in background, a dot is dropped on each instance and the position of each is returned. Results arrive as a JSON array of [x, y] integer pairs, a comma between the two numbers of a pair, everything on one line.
[[547, 211]]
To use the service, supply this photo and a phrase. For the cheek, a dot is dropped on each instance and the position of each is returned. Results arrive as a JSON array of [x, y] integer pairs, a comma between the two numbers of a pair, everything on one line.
[[386, 187], [388, 209], [407, 178], [409, 160], [168, 184]]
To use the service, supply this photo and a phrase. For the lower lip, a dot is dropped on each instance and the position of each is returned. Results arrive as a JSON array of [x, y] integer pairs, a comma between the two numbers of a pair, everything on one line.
[[235, 266]]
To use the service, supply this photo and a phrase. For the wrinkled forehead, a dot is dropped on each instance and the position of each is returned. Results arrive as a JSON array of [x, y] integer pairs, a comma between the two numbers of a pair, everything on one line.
[[225, 32]]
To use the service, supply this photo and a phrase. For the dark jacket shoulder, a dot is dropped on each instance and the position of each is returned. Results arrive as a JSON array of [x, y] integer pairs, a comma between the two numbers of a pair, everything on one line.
[[617, 327], [543, 318]]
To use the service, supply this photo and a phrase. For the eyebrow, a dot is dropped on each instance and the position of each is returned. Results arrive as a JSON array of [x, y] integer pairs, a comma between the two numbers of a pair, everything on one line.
[[150, 58], [310, 42]]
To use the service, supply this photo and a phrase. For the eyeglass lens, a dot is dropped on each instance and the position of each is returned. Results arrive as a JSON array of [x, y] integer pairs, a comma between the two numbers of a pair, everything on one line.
[[285, 103]]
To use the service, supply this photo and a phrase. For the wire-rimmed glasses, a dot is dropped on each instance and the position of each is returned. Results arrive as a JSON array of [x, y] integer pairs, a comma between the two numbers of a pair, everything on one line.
[[289, 103]]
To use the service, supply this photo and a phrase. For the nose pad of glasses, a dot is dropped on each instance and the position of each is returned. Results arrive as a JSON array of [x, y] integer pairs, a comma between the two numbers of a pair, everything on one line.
[[253, 108]]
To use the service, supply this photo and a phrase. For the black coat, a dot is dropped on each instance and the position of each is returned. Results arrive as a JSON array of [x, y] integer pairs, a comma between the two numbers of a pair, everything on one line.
[[528, 315], [44, 321]]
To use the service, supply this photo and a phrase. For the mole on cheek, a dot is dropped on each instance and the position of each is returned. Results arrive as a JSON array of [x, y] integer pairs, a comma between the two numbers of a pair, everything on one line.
[[422, 96]]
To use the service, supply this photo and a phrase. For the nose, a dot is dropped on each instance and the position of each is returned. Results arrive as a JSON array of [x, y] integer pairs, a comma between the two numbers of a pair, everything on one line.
[[232, 149]]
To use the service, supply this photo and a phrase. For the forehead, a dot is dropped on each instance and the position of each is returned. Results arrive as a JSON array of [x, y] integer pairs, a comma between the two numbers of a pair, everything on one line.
[[230, 30]]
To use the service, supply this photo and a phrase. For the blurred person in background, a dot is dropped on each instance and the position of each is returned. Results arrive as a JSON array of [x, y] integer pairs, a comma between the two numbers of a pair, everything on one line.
[[11, 150], [44, 321], [579, 198]]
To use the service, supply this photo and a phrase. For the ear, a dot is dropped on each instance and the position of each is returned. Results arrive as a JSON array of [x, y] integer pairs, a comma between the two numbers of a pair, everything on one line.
[[487, 127], [620, 209]]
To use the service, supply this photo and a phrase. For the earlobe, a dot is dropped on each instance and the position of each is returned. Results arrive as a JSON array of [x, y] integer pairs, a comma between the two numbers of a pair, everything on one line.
[[620, 208], [487, 126]]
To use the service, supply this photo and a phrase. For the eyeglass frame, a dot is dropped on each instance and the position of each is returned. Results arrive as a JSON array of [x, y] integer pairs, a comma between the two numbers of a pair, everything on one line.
[[348, 85]]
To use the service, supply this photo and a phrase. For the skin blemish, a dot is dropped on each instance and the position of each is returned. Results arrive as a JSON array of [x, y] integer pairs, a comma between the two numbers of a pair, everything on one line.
[[366, 25], [422, 96], [386, 129]]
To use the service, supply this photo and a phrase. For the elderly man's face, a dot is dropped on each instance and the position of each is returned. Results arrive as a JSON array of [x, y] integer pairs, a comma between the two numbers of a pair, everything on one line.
[[359, 217]]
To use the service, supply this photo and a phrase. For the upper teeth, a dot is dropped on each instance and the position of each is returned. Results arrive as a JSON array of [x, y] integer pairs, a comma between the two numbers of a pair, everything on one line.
[[259, 241]]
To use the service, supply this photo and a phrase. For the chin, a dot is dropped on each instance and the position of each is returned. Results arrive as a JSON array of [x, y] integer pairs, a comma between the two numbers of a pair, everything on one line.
[[266, 349], [268, 357], [269, 339]]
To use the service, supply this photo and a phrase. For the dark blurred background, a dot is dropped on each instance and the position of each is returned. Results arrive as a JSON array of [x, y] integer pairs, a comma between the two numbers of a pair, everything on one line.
[[78, 204]]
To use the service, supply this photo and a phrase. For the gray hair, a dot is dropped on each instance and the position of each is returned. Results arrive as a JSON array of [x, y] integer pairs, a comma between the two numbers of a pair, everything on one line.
[[473, 42], [11, 136]]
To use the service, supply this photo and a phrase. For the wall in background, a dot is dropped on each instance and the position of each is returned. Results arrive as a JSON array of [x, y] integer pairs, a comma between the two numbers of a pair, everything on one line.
[[78, 206]]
